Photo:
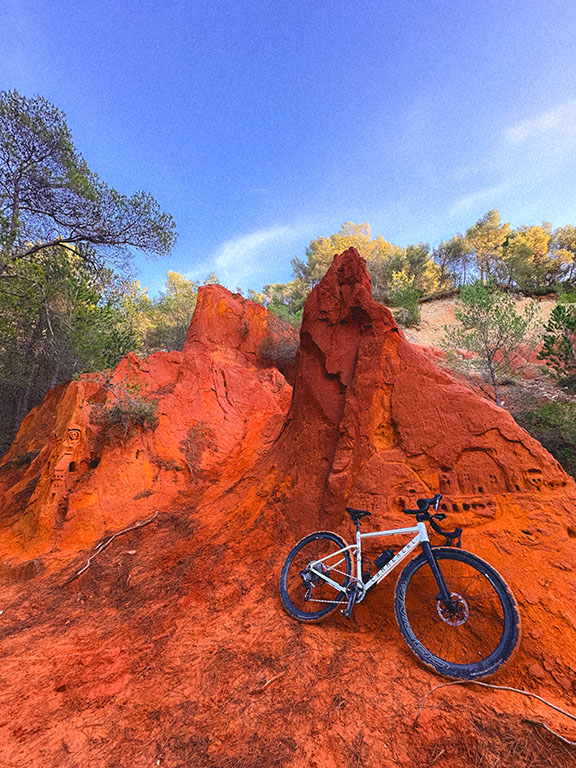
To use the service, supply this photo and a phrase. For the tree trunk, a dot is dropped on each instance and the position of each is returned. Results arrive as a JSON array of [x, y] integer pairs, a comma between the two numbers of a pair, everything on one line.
[[23, 401], [15, 214], [23, 405], [495, 385]]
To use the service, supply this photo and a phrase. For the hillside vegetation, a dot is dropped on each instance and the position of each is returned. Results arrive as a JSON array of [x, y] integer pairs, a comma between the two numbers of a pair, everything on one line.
[[61, 315]]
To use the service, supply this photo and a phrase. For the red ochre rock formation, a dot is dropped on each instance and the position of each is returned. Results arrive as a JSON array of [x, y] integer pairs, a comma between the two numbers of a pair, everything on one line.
[[172, 649], [395, 427], [218, 405]]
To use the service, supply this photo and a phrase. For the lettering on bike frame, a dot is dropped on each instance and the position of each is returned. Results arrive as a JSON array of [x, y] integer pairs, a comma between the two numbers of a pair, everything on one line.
[[443, 620], [421, 535]]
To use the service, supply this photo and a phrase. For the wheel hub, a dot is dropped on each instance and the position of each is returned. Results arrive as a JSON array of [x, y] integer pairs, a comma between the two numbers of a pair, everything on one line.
[[456, 612], [311, 579]]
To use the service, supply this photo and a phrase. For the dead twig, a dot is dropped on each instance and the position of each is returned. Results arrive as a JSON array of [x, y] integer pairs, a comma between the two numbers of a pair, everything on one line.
[[435, 758], [101, 547], [497, 687], [558, 736], [356, 746], [260, 688]]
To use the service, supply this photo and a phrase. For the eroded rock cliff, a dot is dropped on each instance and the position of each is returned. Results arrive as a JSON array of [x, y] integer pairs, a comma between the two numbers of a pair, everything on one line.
[[172, 647], [78, 469]]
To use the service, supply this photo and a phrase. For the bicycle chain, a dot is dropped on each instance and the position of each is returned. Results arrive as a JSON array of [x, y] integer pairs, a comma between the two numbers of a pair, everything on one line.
[[331, 602]]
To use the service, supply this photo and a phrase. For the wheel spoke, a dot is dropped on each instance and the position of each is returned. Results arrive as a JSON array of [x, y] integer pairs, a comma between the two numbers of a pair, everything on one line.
[[305, 593], [468, 632]]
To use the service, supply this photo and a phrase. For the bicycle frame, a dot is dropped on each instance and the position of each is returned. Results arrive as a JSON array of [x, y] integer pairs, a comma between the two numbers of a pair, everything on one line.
[[421, 537], [319, 575]]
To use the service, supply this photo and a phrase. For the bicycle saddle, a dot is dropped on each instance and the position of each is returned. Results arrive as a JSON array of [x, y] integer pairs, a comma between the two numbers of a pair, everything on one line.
[[357, 514]]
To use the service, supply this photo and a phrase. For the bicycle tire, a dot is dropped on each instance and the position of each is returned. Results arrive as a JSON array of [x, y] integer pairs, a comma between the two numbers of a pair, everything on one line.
[[293, 588], [479, 636]]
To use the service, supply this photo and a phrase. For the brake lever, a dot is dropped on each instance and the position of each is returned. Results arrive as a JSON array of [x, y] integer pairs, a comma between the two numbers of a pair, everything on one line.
[[448, 535]]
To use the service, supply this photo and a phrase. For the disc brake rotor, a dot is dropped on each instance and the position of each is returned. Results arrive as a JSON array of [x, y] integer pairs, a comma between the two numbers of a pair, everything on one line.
[[456, 613]]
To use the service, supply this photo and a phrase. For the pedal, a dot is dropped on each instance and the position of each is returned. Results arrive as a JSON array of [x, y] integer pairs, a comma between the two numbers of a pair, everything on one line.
[[351, 601]]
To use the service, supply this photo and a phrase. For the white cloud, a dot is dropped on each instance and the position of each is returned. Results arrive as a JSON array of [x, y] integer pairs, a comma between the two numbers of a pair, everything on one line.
[[234, 260], [560, 121], [525, 158], [241, 259], [475, 199]]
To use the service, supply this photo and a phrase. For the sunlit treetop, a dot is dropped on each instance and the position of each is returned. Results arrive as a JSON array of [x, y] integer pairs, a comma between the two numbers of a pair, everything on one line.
[[49, 197]]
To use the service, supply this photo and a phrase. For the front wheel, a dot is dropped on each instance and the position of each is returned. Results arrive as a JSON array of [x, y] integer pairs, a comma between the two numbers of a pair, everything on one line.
[[306, 596], [475, 633]]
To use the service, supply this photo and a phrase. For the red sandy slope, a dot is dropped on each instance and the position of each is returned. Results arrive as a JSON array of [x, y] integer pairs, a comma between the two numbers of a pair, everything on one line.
[[172, 648]]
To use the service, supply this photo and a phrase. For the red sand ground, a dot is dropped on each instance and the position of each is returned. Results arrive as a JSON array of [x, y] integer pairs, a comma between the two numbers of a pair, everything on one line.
[[172, 649]]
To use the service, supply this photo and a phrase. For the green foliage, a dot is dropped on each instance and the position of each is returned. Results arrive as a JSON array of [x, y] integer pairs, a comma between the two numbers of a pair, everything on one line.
[[382, 260], [286, 300], [405, 295], [451, 258], [559, 345], [554, 425], [485, 239], [420, 267], [565, 293], [490, 327], [563, 245], [58, 318], [532, 259], [49, 197], [61, 311], [320, 252], [128, 411], [167, 318], [528, 262]]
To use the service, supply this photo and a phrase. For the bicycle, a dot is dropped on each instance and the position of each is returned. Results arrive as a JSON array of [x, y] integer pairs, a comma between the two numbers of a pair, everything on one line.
[[455, 611]]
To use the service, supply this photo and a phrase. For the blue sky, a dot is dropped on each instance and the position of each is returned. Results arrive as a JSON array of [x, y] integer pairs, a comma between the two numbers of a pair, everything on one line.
[[260, 125]]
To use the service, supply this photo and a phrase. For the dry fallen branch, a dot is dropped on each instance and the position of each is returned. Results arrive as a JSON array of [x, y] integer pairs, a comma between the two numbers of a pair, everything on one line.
[[497, 687], [558, 736], [263, 687], [101, 547]]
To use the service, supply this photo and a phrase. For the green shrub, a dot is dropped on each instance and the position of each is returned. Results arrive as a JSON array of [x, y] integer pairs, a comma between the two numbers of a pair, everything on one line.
[[559, 345], [405, 296], [132, 413], [129, 411], [489, 326], [554, 425]]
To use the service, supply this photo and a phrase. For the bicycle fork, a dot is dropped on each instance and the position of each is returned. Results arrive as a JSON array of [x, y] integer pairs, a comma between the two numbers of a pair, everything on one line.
[[444, 593]]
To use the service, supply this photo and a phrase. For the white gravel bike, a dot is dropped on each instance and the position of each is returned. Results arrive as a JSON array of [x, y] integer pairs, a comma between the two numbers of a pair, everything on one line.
[[454, 610]]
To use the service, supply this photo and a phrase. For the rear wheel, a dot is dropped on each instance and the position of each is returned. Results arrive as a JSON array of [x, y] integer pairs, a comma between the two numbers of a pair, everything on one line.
[[305, 595], [474, 634]]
